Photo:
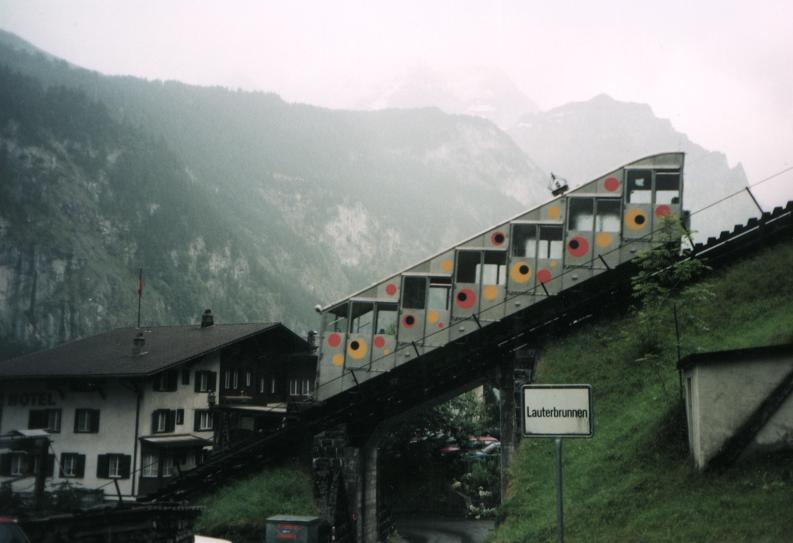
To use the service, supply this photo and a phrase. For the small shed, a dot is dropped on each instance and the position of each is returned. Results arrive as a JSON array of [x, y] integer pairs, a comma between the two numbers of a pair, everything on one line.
[[738, 402]]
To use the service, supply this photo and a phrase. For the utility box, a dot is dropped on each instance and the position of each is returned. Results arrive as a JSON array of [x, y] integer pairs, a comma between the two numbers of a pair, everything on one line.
[[292, 529]]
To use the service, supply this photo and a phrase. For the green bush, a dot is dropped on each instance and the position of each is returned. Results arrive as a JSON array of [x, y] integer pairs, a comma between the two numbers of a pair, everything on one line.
[[239, 510]]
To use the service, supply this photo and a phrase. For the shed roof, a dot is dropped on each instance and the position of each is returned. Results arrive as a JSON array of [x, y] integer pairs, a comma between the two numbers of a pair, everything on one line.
[[734, 355], [110, 354]]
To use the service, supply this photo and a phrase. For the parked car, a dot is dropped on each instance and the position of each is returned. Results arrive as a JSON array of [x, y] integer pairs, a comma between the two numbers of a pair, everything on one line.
[[10, 532], [490, 451], [450, 450], [478, 442]]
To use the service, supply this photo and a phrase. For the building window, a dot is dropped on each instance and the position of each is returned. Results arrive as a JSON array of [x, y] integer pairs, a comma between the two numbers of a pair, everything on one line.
[[273, 385], [180, 416], [166, 381], [49, 468], [163, 420], [203, 420], [262, 385], [72, 465], [113, 466], [236, 379], [294, 387], [227, 379], [45, 419], [86, 421], [248, 378], [151, 466], [167, 466], [305, 387], [205, 381], [19, 465]]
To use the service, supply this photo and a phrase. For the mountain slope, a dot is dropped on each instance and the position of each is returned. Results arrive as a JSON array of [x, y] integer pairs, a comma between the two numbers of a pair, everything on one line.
[[320, 201], [85, 200], [582, 140], [480, 91]]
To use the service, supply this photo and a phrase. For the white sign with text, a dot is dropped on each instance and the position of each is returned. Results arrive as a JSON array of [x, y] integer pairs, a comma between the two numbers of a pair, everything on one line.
[[557, 411]]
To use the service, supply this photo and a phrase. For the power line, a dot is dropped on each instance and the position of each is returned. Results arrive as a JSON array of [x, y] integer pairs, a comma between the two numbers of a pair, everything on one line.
[[736, 193]]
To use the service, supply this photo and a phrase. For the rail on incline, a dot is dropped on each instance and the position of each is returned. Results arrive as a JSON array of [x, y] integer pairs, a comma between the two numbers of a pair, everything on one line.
[[460, 363]]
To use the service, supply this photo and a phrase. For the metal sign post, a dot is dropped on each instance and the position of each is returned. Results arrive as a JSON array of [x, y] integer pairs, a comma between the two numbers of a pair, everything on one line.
[[557, 411], [559, 500]]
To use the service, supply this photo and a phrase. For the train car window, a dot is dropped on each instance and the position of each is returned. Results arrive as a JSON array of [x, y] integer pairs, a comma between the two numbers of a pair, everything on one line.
[[607, 217], [337, 319], [581, 215], [550, 245], [440, 292], [493, 270], [386, 319], [524, 240], [467, 264], [667, 187], [414, 292], [639, 187], [362, 317]]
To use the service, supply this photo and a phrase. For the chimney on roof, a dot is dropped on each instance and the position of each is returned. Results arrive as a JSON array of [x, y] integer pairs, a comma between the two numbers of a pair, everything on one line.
[[312, 340], [138, 344], [207, 319]]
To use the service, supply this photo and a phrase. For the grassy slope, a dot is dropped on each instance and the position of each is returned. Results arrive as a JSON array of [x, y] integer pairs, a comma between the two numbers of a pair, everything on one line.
[[238, 511], [633, 481]]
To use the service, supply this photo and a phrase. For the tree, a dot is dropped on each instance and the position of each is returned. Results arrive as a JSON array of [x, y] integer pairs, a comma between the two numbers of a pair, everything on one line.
[[664, 289]]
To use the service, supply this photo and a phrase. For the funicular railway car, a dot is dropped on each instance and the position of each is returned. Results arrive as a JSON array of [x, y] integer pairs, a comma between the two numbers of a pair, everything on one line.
[[501, 271]]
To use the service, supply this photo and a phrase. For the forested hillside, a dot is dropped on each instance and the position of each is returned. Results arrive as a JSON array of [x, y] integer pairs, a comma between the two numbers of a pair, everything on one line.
[[85, 200], [276, 206]]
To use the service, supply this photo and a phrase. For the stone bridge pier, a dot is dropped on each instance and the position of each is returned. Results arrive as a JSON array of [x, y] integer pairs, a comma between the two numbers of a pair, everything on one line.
[[345, 460], [347, 485]]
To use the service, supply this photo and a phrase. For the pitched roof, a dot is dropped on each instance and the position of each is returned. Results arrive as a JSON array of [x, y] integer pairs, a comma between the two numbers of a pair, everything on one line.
[[110, 354], [734, 355]]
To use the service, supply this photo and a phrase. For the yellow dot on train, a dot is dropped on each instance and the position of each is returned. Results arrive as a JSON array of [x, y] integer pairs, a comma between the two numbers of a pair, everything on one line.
[[432, 316], [603, 239], [446, 266], [553, 263], [386, 351], [338, 359], [490, 292], [554, 212], [636, 219], [357, 349], [521, 272]]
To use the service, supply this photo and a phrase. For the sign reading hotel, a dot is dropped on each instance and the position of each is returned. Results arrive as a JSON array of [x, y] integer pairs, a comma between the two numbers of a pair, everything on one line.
[[557, 411]]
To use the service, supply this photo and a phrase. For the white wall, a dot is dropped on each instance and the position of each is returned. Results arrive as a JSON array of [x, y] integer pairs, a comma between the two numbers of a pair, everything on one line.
[[184, 397], [724, 394], [116, 427], [116, 421]]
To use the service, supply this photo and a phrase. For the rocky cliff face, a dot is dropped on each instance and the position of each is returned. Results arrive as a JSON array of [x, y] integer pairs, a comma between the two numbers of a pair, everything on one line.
[[236, 201], [582, 140]]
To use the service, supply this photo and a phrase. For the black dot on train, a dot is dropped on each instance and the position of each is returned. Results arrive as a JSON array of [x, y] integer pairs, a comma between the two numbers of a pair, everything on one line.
[[524, 269], [574, 244], [462, 296], [639, 219], [499, 238], [410, 319], [354, 345]]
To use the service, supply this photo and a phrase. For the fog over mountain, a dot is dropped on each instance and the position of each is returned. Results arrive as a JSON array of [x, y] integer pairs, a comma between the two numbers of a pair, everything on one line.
[[260, 209], [583, 140], [236, 201], [474, 90]]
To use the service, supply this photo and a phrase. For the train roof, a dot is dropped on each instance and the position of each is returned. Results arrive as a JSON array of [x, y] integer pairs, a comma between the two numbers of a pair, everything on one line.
[[655, 160]]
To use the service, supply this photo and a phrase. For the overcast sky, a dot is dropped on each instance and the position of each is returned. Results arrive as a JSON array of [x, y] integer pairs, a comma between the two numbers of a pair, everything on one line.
[[722, 71]]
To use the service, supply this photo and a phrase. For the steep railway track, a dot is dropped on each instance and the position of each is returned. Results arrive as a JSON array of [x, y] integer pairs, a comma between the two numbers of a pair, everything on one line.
[[469, 360]]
